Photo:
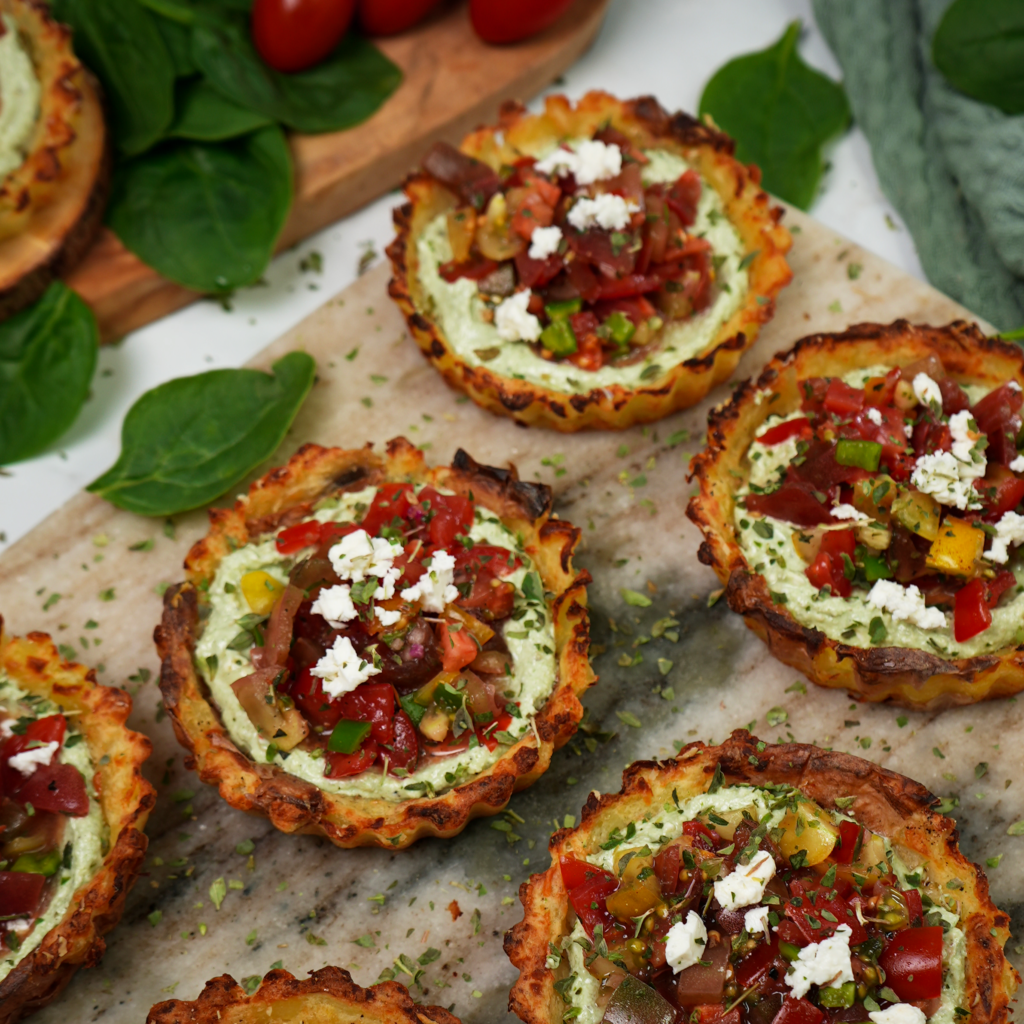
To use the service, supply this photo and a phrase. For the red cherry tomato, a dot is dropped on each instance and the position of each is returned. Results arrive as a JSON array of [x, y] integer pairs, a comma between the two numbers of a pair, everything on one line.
[[508, 21], [56, 787], [912, 962], [351, 764], [291, 35], [576, 872], [971, 615], [373, 703], [297, 537], [849, 833], [391, 500], [405, 748], [588, 900], [20, 892], [389, 17], [798, 1011]]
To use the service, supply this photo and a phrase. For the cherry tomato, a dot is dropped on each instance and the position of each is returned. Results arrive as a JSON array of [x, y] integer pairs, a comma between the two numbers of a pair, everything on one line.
[[849, 833], [373, 703], [785, 430], [912, 962], [666, 867], [452, 514], [297, 537], [405, 747], [317, 708], [291, 35], [842, 399], [509, 21], [351, 764], [798, 1011], [971, 614], [19, 893], [389, 17], [391, 500], [576, 872], [588, 900], [56, 787]]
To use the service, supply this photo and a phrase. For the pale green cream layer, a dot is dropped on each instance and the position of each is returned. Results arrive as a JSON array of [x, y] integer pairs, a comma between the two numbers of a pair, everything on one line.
[[19, 98], [667, 825], [88, 835], [458, 308], [530, 641]]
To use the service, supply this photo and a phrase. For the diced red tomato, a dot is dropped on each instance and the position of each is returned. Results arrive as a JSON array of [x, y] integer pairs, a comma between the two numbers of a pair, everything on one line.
[[971, 614], [20, 892], [537, 273], [915, 908], [576, 872], [530, 210], [373, 703], [489, 599], [829, 567], [813, 390], [912, 961], [808, 917], [583, 323], [391, 500], [699, 830], [787, 931], [49, 729], [331, 533], [843, 400], [998, 415], [405, 747], [342, 765], [588, 900], [954, 398], [684, 196], [715, 1013], [666, 867], [452, 514], [486, 558], [56, 787], [297, 537], [1001, 491], [627, 286], [308, 693], [930, 436], [476, 268], [798, 1011], [849, 833], [784, 431], [794, 502], [458, 648], [751, 969], [879, 391], [589, 354], [486, 730]]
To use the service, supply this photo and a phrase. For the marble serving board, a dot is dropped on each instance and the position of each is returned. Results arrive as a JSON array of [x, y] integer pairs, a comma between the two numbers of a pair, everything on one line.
[[442, 907]]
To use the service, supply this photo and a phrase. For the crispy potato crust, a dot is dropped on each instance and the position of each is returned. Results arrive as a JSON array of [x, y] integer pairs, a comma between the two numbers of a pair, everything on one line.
[[51, 206], [911, 678], [615, 407], [34, 663], [327, 996], [286, 495], [889, 804]]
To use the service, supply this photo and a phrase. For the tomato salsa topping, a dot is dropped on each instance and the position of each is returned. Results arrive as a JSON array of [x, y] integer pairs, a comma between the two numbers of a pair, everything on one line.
[[902, 488], [386, 647], [37, 794], [734, 919], [574, 253]]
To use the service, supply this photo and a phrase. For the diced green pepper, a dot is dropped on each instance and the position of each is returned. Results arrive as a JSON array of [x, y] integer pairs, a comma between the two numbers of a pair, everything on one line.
[[563, 310], [789, 950], [558, 338], [862, 454], [348, 736], [838, 998], [39, 863], [876, 568], [620, 328]]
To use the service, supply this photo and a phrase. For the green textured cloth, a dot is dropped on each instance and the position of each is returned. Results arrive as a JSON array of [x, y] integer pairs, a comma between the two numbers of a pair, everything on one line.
[[953, 167]]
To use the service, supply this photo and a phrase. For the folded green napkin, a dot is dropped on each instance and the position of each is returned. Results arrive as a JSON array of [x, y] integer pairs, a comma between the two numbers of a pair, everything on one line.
[[953, 167]]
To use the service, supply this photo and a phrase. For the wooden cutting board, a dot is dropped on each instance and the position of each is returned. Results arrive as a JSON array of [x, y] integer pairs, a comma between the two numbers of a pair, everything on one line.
[[304, 903], [452, 83]]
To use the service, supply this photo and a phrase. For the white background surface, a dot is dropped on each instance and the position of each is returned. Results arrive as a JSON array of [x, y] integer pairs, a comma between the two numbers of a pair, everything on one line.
[[667, 48]]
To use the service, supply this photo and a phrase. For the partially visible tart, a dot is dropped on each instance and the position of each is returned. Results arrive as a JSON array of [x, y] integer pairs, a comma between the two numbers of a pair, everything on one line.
[[327, 996], [862, 503], [594, 266], [376, 650], [54, 154], [73, 804], [752, 883]]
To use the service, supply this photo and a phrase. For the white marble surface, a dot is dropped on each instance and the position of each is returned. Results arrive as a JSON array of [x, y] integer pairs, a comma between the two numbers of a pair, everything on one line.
[[668, 48]]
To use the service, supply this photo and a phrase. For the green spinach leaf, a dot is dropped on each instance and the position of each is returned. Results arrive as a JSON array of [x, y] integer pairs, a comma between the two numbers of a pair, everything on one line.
[[979, 47], [205, 115], [120, 42], [780, 112], [342, 91], [47, 358], [186, 442], [206, 215], [178, 40]]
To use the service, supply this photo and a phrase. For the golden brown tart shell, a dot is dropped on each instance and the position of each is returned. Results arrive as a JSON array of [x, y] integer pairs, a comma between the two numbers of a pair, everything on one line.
[[51, 206], [286, 495], [615, 407], [327, 996], [911, 678], [891, 805], [126, 798]]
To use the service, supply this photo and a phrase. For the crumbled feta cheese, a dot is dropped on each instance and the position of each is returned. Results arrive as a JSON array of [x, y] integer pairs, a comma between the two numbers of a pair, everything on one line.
[[685, 942], [587, 161], [1013, 385], [514, 321], [29, 760], [1017, 466], [342, 669], [948, 480], [898, 1013], [966, 435], [756, 920], [905, 603], [7, 728], [607, 211], [745, 885], [927, 391], [874, 415], [335, 605], [849, 512], [358, 555], [1009, 530], [544, 242], [386, 615], [825, 963], [434, 589]]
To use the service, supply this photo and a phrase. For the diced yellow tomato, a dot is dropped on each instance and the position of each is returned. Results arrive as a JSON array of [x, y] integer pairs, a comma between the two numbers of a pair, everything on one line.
[[918, 512], [494, 235], [480, 631], [874, 496], [956, 548], [461, 228], [261, 591], [808, 828]]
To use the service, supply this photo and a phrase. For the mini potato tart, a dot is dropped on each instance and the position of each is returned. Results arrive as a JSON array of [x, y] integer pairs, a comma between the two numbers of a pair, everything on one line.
[[73, 804], [860, 503], [591, 267], [751, 883], [55, 159], [374, 650], [327, 996]]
